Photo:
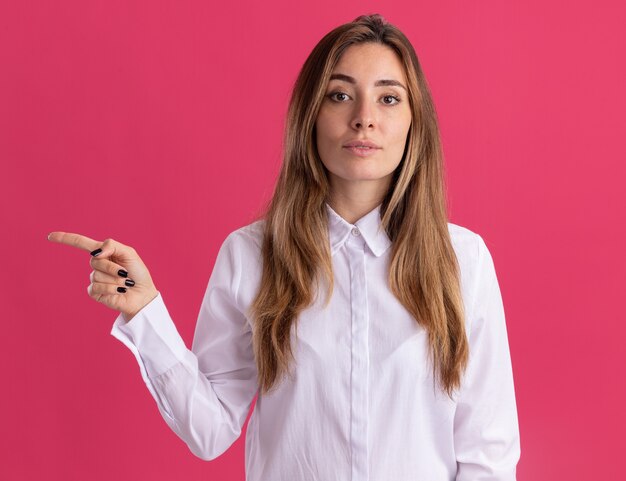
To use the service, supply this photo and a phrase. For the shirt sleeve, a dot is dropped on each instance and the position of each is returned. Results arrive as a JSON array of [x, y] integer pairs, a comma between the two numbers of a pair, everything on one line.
[[486, 432], [204, 394]]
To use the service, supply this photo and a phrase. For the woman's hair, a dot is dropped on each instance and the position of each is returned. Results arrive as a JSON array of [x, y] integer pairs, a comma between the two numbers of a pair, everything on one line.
[[423, 271]]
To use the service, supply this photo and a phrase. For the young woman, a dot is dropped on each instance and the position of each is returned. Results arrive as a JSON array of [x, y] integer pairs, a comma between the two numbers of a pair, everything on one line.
[[370, 327]]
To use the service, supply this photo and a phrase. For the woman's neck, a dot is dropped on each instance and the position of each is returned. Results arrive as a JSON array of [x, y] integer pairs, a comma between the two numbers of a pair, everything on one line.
[[352, 210]]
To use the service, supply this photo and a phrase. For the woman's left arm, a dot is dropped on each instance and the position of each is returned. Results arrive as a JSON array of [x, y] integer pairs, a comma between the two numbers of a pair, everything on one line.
[[486, 431]]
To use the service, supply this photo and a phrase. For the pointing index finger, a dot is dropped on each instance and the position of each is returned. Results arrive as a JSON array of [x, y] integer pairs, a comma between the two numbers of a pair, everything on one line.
[[74, 240]]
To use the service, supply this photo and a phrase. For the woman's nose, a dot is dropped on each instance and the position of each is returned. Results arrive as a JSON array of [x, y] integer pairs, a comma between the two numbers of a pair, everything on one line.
[[363, 115]]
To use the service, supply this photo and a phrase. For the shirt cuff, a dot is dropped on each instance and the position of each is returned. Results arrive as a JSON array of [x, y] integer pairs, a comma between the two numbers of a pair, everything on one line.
[[152, 336]]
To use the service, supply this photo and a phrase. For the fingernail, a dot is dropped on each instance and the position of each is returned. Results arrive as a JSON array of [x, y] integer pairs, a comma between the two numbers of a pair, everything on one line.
[[121, 289], [96, 252], [129, 282], [122, 273]]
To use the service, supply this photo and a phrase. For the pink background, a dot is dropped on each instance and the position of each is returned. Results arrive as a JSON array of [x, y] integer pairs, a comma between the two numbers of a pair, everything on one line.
[[159, 124]]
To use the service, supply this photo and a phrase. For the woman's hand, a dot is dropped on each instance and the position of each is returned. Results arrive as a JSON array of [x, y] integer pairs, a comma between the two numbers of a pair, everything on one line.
[[120, 279]]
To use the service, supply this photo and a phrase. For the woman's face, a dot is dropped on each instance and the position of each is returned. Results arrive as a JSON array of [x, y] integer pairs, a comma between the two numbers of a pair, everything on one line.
[[366, 99]]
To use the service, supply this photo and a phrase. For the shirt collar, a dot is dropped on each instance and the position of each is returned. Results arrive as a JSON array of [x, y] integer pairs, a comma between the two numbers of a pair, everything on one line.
[[369, 225]]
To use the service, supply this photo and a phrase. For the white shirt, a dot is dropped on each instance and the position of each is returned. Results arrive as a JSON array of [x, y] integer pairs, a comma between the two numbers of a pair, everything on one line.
[[361, 404]]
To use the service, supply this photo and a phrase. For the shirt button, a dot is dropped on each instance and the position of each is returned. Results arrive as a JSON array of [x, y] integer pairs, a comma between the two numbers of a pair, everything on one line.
[[356, 231]]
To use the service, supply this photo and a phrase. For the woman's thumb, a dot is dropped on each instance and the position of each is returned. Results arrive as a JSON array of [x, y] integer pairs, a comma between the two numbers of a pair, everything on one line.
[[110, 248]]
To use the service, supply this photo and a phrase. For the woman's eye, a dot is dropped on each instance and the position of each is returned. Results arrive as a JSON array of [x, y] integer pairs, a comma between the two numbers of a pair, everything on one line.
[[332, 95], [391, 97]]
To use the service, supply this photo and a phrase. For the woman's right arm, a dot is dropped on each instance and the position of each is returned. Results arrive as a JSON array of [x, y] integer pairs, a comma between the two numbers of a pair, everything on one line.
[[204, 394]]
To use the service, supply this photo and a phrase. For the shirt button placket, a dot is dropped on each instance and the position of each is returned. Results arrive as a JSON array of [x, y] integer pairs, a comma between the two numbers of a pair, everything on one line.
[[359, 408]]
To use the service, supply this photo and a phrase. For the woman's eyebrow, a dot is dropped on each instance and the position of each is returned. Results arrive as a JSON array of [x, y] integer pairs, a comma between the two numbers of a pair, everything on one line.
[[347, 78]]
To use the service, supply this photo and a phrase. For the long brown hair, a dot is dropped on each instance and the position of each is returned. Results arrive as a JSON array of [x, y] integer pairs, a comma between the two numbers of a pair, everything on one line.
[[423, 272]]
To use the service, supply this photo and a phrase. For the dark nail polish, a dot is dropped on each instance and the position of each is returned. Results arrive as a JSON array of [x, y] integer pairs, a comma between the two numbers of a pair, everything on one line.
[[122, 273], [121, 289], [96, 252], [129, 282]]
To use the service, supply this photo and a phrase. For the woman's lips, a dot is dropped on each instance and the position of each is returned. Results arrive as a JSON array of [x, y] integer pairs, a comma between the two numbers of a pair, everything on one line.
[[362, 151]]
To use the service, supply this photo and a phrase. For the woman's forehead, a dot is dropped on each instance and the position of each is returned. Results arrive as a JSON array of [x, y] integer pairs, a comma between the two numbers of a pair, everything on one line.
[[369, 62]]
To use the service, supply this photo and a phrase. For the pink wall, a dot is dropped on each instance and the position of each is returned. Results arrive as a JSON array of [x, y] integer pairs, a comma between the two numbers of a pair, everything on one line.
[[159, 124]]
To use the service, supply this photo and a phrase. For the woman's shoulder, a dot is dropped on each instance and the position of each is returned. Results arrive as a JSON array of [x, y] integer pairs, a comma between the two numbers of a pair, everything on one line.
[[469, 246], [245, 245], [248, 237], [464, 239]]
